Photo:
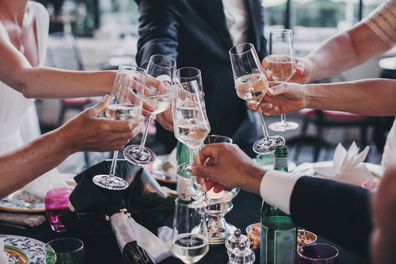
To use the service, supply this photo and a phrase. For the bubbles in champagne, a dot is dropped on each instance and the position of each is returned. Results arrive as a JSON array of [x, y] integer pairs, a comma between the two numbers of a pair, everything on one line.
[[280, 68]]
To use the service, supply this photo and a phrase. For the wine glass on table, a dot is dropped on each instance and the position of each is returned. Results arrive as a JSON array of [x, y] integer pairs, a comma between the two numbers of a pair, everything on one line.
[[189, 236], [280, 66], [251, 84], [190, 122], [125, 105], [158, 81]]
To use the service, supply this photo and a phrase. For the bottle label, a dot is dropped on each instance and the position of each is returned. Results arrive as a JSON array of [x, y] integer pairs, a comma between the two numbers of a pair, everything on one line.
[[280, 164], [285, 246]]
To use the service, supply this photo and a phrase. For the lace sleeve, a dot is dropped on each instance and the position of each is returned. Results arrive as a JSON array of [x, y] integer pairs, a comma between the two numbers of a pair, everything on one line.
[[383, 22]]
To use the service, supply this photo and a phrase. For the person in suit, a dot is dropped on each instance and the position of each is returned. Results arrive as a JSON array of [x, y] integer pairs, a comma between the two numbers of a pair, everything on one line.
[[199, 33], [336, 211]]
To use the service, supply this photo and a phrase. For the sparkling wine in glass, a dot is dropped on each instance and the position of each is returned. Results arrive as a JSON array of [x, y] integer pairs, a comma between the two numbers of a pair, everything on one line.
[[189, 237], [190, 122], [280, 66], [158, 82], [251, 84], [126, 105]]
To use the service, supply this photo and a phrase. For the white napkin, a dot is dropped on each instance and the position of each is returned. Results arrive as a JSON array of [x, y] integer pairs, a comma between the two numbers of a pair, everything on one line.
[[128, 230], [3, 258], [40, 186], [349, 166]]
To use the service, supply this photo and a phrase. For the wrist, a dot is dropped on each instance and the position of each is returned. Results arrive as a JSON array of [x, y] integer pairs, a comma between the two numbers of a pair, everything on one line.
[[253, 179], [64, 140]]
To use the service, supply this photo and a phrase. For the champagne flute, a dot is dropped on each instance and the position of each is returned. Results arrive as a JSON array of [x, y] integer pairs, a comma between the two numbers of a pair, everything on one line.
[[159, 78], [189, 236], [280, 66], [190, 122], [251, 84], [185, 75], [123, 107]]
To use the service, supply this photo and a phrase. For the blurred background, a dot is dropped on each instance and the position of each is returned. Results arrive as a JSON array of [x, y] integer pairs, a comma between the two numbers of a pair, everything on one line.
[[101, 34]]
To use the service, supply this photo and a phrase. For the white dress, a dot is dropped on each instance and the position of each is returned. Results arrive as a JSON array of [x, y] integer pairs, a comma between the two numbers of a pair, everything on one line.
[[382, 21], [18, 116]]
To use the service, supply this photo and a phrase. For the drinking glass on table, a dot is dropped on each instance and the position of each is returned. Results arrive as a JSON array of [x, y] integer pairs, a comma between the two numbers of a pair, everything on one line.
[[190, 122], [251, 84], [280, 66], [317, 253], [158, 81], [125, 105], [56, 205], [65, 250], [189, 237]]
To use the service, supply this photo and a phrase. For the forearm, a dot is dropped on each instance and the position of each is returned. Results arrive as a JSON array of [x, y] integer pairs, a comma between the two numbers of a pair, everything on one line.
[[371, 97], [345, 51], [32, 160], [54, 83]]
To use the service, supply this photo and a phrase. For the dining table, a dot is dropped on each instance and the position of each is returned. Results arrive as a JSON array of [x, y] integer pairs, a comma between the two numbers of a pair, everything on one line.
[[103, 248]]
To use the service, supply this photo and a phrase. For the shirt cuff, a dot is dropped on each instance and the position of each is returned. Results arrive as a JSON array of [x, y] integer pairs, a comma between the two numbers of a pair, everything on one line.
[[276, 188]]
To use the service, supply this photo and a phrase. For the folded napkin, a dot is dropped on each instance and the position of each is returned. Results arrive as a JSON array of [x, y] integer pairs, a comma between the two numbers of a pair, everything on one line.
[[349, 166], [30, 220], [40, 186], [128, 231]]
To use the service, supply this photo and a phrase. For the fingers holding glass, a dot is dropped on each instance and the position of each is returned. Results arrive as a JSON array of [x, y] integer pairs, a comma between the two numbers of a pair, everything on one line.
[[251, 85]]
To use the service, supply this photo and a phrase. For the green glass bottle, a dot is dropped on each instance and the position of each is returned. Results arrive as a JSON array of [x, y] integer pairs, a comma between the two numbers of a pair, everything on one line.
[[182, 153], [278, 239]]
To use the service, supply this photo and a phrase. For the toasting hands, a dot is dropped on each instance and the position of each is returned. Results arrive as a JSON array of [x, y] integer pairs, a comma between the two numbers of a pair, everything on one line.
[[226, 165]]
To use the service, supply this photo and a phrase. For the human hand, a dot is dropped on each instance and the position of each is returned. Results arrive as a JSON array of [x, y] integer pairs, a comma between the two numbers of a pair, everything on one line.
[[166, 119], [226, 165], [282, 98], [90, 132]]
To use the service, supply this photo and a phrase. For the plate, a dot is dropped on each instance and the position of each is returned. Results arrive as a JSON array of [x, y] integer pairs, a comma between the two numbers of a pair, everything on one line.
[[22, 201], [34, 249], [15, 255], [325, 168]]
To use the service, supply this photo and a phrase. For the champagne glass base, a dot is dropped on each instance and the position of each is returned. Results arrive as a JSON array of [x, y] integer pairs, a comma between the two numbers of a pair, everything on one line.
[[267, 145], [283, 126], [134, 155], [108, 182]]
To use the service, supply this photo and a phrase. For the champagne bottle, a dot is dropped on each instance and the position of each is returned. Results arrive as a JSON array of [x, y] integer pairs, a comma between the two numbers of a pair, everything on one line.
[[278, 233]]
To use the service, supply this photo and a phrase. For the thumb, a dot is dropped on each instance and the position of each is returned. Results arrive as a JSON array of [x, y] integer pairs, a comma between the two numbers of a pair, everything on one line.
[[99, 108], [300, 68], [279, 89]]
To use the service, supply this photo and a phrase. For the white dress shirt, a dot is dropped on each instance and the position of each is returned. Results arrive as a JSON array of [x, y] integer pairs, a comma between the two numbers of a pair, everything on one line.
[[276, 188], [236, 19]]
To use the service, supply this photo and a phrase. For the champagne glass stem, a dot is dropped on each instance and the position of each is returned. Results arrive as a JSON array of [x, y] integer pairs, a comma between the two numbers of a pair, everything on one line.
[[144, 138], [263, 125], [113, 164], [283, 119]]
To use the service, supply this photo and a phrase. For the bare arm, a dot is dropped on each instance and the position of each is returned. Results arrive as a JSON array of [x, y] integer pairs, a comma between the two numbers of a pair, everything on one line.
[[41, 82], [86, 132], [371, 97], [340, 53]]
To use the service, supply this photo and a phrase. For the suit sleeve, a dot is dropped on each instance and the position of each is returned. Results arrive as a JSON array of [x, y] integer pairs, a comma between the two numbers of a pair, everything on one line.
[[158, 30], [339, 212]]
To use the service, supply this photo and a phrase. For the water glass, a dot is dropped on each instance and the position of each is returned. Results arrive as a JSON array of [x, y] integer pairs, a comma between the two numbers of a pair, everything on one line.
[[318, 253], [56, 205], [66, 250]]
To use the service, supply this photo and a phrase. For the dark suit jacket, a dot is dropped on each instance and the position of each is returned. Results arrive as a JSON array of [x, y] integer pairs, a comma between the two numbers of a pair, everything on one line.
[[339, 212], [194, 32]]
